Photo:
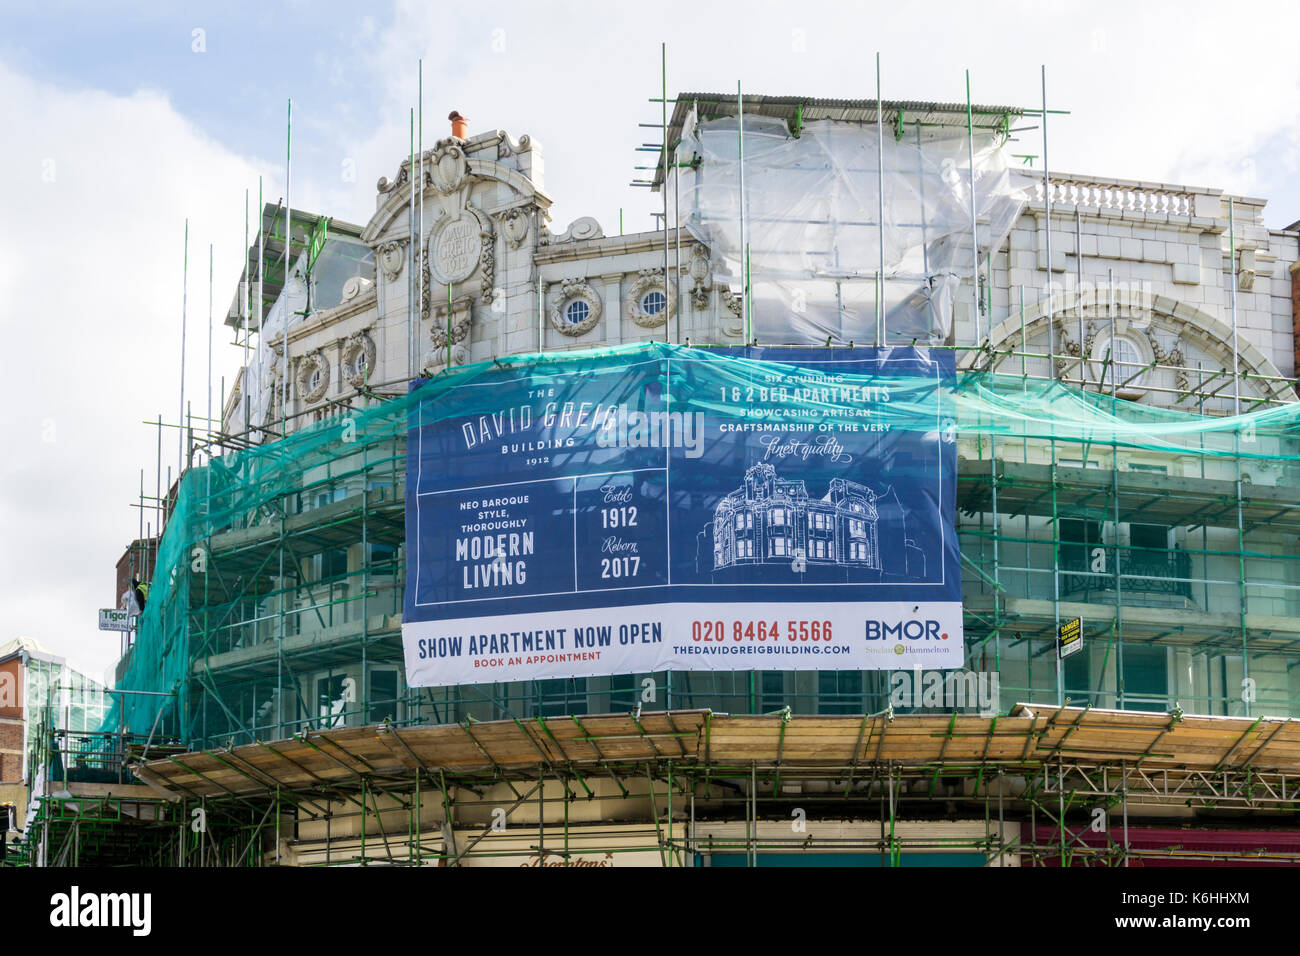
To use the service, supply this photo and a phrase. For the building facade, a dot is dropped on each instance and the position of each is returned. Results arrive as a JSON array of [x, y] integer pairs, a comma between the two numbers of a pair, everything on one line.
[[38, 692], [1181, 563], [1135, 301]]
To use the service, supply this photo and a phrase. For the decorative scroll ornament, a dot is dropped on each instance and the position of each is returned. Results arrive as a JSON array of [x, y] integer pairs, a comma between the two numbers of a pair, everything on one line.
[[583, 228], [568, 292], [313, 366], [359, 354], [650, 280], [403, 177], [505, 148], [736, 306]]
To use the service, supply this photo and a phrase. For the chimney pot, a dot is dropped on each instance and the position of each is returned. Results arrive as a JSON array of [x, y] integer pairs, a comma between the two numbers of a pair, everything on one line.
[[459, 125]]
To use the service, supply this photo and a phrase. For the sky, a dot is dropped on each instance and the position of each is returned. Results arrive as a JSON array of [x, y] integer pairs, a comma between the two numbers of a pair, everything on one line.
[[123, 121]]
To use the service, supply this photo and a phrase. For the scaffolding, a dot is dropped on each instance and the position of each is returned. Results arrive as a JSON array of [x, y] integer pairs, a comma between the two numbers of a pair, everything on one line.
[[1169, 534], [283, 624], [684, 788]]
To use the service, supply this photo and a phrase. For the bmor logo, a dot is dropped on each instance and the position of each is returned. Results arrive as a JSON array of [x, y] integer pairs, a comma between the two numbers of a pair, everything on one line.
[[913, 630]]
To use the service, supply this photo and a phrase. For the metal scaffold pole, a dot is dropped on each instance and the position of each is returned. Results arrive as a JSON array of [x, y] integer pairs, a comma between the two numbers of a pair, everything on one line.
[[1051, 372], [208, 423], [1247, 695], [663, 182], [1047, 242], [244, 295], [261, 276], [1114, 478], [418, 230], [974, 232], [185, 288], [881, 330], [288, 265], [746, 309], [412, 327]]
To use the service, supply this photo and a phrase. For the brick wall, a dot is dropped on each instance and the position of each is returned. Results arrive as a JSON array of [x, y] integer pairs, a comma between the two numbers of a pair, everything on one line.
[[11, 751], [137, 559]]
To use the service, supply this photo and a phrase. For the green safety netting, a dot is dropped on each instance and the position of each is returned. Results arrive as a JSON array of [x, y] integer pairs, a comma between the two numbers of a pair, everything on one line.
[[245, 488]]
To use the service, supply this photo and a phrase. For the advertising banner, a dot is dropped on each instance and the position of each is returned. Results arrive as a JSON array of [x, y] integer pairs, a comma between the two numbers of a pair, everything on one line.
[[671, 508]]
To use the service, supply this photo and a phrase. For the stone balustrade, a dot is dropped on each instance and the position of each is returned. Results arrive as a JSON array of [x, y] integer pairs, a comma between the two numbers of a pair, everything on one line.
[[1119, 197]]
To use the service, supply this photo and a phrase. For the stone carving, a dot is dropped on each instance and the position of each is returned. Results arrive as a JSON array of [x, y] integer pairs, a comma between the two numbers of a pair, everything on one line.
[[736, 307], [392, 256], [403, 177], [359, 353], [356, 286], [426, 292], [275, 404], [505, 148], [450, 334], [1172, 357], [487, 264], [580, 229], [1066, 346], [457, 246], [649, 280], [448, 167], [699, 270], [567, 292], [1089, 339], [313, 379], [514, 226]]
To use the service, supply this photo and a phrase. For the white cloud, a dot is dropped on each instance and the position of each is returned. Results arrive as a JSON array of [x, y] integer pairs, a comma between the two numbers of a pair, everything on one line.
[[1169, 92], [97, 190]]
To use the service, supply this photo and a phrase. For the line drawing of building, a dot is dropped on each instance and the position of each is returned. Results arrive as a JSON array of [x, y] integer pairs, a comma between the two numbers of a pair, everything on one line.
[[771, 520]]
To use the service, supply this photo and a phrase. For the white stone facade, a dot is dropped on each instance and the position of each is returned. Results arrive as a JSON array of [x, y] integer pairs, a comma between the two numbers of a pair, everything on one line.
[[495, 280]]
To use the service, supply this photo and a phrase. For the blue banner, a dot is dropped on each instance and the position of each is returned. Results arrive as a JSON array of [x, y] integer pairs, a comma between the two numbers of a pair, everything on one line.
[[674, 508]]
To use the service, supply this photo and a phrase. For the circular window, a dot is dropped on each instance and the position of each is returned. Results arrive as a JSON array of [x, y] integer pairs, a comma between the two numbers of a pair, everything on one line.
[[1126, 368], [576, 312], [653, 302], [314, 381], [359, 365]]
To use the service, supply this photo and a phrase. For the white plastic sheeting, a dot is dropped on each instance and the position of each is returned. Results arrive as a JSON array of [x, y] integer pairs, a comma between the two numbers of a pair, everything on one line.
[[265, 364], [812, 222], [341, 259]]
